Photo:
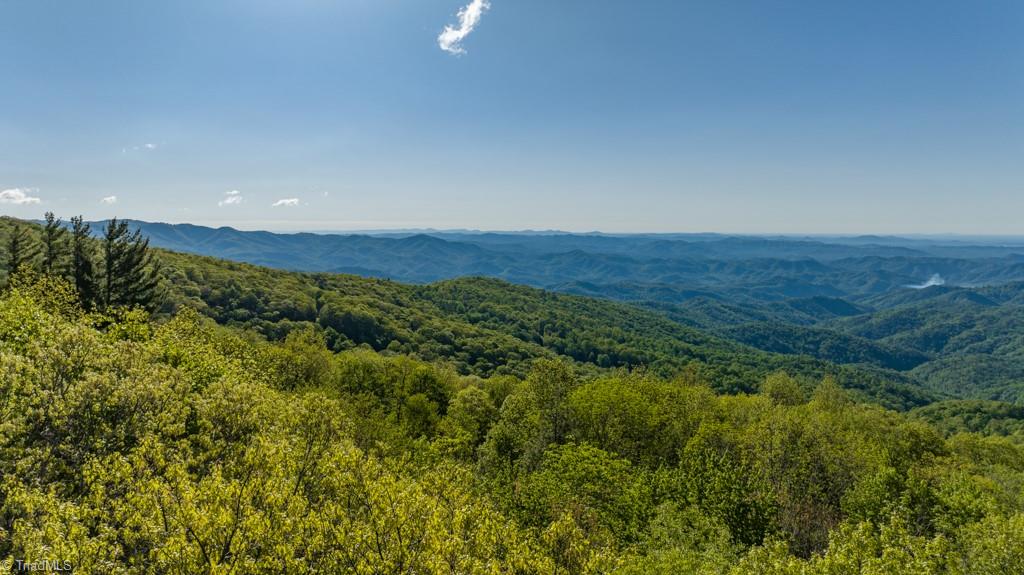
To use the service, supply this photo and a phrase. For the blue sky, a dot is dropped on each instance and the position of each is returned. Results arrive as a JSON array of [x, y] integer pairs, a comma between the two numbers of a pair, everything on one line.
[[754, 116]]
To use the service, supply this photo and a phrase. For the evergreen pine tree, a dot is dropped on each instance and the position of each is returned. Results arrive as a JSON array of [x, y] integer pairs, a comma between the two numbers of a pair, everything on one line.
[[22, 249], [54, 246], [130, 274], [83, 272]]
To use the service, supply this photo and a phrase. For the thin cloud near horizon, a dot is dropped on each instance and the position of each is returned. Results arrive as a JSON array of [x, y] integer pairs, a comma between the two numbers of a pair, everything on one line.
[[19, 196], [234, 197], [143, 147]]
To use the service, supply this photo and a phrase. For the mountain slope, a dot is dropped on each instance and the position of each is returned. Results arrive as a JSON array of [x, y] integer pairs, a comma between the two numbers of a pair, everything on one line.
[[488, 326], [824, 344], [974, 336]]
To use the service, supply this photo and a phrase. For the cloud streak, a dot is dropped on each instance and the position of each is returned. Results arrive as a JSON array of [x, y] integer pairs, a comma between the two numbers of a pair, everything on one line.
[[286, 203], [232, 198], [146, 147], [109, 200], [935, 280], [469, 16], [19, 197]]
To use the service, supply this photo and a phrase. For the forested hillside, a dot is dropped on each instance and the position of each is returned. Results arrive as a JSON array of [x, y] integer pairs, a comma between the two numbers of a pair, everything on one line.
[[483, 326], [901, 348], [975, 416], [233, 418], [973, 337], [138, 447], [942, 312]]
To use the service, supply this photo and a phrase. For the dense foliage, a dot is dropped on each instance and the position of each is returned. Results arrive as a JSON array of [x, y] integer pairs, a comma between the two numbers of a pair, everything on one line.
[[183, 447], [827, 344], [975, 416], [270, 421]]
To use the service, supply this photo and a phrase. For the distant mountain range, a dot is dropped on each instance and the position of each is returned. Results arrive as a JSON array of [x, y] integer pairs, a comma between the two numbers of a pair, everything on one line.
[[944, 311], [668, 268]]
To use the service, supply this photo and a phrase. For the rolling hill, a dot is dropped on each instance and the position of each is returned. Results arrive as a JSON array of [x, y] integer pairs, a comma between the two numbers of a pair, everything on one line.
[[486, 326], [666, 268]]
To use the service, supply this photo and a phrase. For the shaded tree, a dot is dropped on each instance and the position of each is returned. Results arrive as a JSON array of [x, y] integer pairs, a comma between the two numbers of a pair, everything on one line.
[[130, 274], [83, 270], [782, 389], [54, 245], [22, 248]]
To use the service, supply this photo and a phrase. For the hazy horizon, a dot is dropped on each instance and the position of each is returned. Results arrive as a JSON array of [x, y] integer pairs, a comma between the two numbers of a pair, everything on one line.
[[256, 227]]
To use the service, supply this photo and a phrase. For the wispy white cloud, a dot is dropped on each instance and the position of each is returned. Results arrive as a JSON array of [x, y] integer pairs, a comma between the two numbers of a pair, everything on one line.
[[109, 200], [142, 147], [19, 196], [469, 16], [286, 202], [231, 198]]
